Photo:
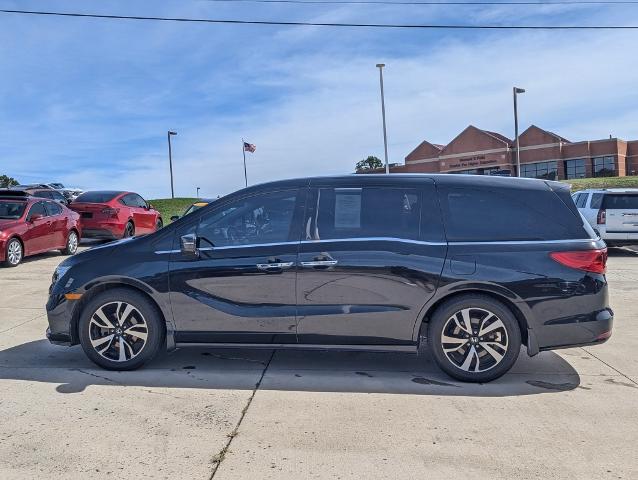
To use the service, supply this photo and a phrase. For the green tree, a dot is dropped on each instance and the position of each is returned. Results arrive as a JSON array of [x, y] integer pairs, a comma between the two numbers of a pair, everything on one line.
[[6, 182], [369, 163]]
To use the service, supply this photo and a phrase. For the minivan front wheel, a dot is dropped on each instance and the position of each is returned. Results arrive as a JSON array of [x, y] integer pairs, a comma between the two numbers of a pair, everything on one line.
[[120, 329], [474, 338]]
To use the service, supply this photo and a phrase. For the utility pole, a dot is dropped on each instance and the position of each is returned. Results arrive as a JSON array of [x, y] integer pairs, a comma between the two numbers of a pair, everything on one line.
[[170, 160], [516, 91], [385, 135]]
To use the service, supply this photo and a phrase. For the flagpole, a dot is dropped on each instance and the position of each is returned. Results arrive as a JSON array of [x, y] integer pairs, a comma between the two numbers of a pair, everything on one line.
[[243, 150]]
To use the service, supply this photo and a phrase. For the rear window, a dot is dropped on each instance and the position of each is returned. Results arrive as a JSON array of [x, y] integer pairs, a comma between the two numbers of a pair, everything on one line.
[[11, 210], [96, 197], [620, 202], [508, 214]]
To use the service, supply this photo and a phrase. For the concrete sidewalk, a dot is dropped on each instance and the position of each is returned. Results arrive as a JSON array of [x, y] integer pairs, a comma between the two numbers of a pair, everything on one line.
[[197, 413]]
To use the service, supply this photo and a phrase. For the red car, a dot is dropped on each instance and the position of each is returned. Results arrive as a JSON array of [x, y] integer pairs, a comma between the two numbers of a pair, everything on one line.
[[30, 225], [111, 214]]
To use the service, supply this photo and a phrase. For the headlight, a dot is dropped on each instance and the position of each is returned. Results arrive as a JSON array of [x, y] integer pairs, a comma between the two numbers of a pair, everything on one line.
[[59, 273]]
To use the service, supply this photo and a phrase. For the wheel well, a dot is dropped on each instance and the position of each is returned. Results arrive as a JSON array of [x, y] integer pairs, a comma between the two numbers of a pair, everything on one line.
[[91, 293], [520, 318]]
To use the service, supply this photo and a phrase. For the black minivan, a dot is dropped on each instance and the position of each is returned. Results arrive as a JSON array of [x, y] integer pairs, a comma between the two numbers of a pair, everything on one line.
[[468, 268]]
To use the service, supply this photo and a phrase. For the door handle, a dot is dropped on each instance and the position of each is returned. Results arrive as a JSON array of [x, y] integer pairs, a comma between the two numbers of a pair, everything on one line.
[[268, 267], [319, 263]]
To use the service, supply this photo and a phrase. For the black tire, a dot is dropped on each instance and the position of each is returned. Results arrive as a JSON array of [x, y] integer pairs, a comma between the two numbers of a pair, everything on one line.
[[143, 323], [129, 230], [474, 357], [13, 253], [72, 242], [159, 224]]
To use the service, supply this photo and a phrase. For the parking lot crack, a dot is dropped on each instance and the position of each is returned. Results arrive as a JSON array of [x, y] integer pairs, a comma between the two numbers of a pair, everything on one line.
[[94, 375], [613, 368], [219, 457]]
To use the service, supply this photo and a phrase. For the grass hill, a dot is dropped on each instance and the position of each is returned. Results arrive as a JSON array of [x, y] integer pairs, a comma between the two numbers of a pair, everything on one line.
[[171, 206], [605, 182]]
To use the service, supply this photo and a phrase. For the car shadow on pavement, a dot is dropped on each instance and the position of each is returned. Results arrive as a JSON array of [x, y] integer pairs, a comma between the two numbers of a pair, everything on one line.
[[283, 370], [622, 252]]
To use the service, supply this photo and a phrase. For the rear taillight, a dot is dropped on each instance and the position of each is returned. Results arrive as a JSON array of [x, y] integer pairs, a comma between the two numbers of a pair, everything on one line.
[[601, 219], [111, 212], [594, 261]]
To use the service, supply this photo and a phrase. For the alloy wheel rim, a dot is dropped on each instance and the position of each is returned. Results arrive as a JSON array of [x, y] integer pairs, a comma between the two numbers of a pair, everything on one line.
[[474, 340], [118, 331], [73, 242], [129, 230], [14, 252]]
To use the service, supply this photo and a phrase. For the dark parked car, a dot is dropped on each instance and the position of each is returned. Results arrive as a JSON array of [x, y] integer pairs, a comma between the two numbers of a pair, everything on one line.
[[30, 225], [48, 193], [470, 267]]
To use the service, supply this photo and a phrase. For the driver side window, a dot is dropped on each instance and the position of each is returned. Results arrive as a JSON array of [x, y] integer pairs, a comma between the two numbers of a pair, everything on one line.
[[264, 218]]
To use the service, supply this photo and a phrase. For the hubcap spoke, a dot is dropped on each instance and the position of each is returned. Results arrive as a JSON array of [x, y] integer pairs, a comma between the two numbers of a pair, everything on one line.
[[106, 323], [471, 354], [498, 323], [465, 324], [459, 342], [137, 333], [101, 341], [488, 348]]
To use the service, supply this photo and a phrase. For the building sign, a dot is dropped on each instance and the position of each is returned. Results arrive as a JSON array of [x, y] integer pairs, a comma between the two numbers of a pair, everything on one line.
[[475, 161]]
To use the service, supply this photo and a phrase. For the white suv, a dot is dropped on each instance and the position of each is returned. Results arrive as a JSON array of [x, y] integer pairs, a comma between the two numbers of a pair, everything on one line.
[[612, 212]]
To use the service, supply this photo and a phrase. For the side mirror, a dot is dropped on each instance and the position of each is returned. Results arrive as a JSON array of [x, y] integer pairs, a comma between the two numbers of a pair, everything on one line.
[[189, 244], [35, 216], [174, 217]]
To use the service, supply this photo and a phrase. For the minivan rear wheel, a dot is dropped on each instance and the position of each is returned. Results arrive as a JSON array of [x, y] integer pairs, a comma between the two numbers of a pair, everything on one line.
[[474, 338], [120, 329]]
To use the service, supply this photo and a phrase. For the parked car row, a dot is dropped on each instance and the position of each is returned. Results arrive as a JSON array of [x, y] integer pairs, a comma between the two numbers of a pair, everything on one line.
[[56, 191], [34, 220]]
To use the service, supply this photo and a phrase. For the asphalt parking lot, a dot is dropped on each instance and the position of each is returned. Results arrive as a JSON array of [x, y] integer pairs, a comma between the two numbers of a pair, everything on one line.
[[231, 414]]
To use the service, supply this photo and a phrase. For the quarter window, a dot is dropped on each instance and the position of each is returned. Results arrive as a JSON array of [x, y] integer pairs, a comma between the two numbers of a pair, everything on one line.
[[596, 200], [366, 212], [482, 215], [265, 218]]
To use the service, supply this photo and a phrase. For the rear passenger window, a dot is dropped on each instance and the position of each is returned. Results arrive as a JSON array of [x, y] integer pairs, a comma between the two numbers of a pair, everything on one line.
[[582, 200], [53, 208], [475, 215], [596, 200], [367, 212]]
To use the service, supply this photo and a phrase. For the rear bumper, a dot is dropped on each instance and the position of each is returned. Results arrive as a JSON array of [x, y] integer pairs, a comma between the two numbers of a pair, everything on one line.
[[618, 238], [578, 331], [105, 233]]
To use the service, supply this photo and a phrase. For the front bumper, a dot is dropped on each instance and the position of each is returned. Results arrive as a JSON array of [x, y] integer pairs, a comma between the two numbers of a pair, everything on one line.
[[61, 316]]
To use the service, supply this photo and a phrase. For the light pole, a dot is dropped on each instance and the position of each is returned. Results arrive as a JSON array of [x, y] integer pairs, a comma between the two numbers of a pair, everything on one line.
[[170, 159], [197, 192], [385, 136], [516, 91]]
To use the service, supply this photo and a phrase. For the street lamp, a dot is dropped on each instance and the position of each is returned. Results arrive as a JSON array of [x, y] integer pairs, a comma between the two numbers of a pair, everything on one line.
[[170, 160], [385, 136], [516, 91], [197, 192]]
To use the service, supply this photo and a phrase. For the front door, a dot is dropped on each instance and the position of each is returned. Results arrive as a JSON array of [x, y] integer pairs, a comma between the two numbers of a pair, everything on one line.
[[371, 258], [39, 234], [240, 287]]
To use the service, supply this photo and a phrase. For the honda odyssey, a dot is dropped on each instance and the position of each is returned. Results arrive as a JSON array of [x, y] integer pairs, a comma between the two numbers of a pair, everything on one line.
[[468, 268]]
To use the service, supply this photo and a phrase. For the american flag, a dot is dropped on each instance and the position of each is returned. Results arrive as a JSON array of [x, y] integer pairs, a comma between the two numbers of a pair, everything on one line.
[[249, 147]]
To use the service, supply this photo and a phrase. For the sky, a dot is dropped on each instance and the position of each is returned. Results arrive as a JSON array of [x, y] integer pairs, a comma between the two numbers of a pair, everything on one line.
[[88, 102]]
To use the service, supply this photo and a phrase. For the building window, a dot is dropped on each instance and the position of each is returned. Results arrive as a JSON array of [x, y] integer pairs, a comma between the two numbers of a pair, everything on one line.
[[604, 166], [575, 168], [544, 170], [467, 172]]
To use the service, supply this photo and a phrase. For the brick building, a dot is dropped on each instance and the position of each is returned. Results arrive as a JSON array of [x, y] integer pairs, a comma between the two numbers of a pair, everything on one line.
[[543, 155]]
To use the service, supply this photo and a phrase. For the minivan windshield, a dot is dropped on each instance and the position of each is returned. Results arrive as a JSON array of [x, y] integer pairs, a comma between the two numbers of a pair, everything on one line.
[[621, 202], [11, 210], [97, 197]]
